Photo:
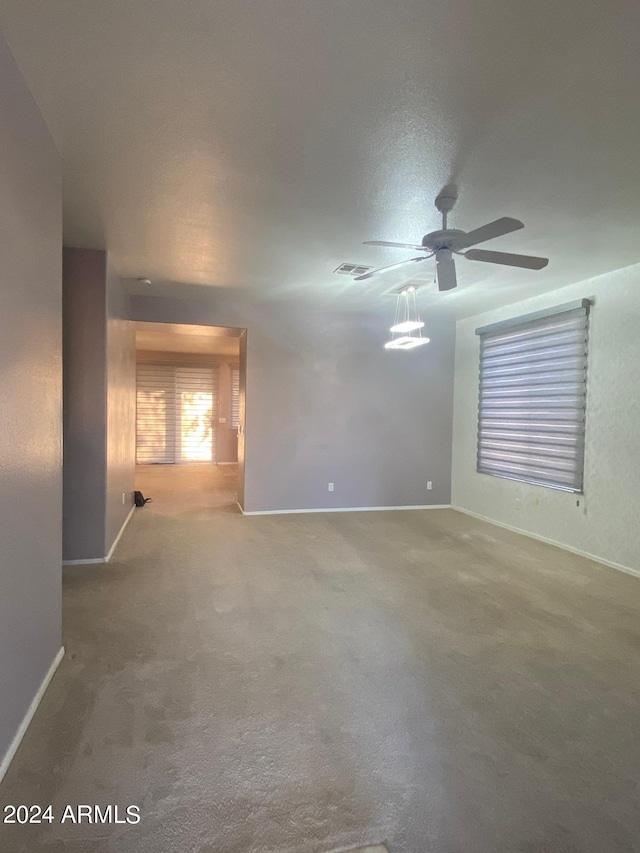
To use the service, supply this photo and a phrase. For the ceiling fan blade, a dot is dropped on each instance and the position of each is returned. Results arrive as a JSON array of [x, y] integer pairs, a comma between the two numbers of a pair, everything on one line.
[[392, 267], [527, 262], [394, 245], [446, 272], [487, 232]]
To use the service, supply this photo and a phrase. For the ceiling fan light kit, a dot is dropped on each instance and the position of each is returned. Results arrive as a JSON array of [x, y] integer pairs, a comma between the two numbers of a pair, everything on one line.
[[407, 323], [447, 242], [405, 343], [407, 326]]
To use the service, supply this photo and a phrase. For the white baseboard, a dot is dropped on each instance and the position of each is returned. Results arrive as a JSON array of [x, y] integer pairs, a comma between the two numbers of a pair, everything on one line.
[[343, 509], [626, 569], [95, 560], [90, 562], [33, 707], [119, 536]]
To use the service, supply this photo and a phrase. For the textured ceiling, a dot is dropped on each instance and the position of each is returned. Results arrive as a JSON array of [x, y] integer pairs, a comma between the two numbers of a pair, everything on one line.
[[255, 145]]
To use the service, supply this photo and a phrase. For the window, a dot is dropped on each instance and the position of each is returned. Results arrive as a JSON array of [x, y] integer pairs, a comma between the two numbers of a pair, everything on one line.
[[235, 396], [531, 414], [175, 410]]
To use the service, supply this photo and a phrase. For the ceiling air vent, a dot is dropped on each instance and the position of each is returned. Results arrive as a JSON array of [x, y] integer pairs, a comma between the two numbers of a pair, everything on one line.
[[352, 269]]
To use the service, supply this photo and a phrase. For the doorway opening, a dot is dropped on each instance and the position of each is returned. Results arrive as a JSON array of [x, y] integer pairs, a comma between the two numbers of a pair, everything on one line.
[[190, 404]]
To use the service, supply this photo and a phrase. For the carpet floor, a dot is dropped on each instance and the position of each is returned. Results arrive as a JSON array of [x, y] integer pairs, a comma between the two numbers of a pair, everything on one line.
[[304, 683], [195, 485]]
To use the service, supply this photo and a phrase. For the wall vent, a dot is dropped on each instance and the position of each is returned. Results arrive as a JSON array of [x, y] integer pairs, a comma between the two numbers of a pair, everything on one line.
[[352, 269]]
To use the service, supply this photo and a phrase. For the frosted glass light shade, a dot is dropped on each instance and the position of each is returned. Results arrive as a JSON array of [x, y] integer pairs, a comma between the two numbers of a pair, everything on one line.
[[407, 326], [406, 342]]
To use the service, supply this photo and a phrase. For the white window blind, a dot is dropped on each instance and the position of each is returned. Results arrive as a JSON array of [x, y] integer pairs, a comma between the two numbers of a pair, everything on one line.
[[533, 374], [235, 396], [176, 413]]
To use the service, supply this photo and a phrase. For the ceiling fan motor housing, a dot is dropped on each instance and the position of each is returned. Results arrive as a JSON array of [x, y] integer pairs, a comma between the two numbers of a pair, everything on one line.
[[449, 239]]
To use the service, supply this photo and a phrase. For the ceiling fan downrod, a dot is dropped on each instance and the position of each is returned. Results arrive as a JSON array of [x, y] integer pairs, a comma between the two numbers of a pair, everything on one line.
[[445, 203]]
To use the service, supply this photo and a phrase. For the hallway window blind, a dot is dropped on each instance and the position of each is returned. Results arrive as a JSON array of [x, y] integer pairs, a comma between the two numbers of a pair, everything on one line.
[[235, 396], [176, 411], [532, 402]]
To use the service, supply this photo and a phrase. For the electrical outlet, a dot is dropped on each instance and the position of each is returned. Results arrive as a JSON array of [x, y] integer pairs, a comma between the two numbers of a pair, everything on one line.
[[429, 485], [124, 497], [330, 487]]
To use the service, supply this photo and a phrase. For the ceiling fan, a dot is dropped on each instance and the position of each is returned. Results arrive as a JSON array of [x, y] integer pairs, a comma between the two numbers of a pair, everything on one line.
[[448, 242]]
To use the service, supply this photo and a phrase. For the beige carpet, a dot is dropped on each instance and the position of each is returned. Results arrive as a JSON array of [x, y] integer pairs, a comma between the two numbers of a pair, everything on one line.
[[196, 485], [297, 684]]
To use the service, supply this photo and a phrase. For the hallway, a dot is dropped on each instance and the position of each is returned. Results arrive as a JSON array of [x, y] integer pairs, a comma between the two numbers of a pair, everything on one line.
[[198, 485], [301, 683]]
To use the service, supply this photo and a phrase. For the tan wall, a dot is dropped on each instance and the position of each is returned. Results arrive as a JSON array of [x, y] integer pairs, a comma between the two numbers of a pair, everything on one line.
[[121, 410]]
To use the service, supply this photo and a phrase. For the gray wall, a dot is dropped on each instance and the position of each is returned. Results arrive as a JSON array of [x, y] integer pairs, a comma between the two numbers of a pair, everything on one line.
[[326, 403], [31, 393], [99, 405], [84, 339]]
